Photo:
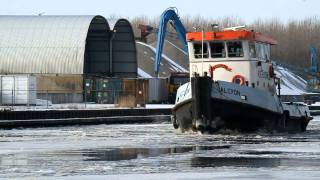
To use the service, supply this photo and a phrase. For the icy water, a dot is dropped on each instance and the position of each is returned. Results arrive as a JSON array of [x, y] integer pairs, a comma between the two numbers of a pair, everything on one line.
[[156, 151]]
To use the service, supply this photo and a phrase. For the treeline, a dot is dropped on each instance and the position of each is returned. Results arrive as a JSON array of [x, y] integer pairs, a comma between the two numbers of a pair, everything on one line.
[[294, 37]]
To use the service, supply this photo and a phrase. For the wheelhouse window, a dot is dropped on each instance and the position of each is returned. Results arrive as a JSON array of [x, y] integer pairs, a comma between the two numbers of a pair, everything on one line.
[[197, 47], [268, 51], [217, 50], [235, 49], [252, 50], [263, 51]]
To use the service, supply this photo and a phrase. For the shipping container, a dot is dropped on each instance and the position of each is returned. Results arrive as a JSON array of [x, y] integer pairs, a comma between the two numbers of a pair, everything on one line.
[[59, 89], [107, 90], [18, 90], [158, 90]]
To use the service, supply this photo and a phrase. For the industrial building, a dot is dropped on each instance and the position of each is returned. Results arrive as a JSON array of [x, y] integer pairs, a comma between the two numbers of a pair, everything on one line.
[[66, 45], [63, 51]]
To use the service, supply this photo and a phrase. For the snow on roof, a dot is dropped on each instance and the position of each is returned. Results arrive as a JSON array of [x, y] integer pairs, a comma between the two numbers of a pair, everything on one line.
[[291, 84], [181, 50], [172, 63]]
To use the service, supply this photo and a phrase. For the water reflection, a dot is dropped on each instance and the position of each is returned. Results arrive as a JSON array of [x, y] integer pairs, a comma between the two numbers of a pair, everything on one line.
[[263, 152], [131, 153], [234, 161], [252, 162], [120, 154]]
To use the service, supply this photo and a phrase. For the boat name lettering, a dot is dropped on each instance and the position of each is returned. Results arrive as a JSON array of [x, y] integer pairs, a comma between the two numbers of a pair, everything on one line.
[[230, 91]]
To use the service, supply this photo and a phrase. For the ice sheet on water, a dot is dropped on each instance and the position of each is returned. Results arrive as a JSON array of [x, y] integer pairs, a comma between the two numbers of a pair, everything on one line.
[[87, 151], [226, 174]]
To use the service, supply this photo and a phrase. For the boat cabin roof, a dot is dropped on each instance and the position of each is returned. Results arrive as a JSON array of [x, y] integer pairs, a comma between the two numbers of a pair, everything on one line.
[[230, 35]]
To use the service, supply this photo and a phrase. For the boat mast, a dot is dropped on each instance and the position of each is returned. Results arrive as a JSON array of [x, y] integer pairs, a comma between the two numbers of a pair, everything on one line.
[[202, 51]]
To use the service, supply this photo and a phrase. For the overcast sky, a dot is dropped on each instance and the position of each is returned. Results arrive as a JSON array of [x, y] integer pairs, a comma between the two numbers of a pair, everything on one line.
[[247, 10]]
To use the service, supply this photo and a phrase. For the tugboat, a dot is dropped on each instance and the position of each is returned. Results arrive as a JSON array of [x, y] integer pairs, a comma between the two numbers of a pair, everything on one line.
[[233, 86]]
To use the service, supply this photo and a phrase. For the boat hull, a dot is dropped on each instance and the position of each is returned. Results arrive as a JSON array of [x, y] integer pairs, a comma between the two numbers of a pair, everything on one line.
[[205, 109], [232, 116]]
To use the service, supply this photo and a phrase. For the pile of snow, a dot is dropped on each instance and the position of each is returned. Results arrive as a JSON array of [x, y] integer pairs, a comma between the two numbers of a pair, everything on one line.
[[159, 106], [291, 84], [78, 106]]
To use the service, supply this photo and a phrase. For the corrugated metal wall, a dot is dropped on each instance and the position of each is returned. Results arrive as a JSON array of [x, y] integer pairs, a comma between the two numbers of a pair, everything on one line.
[[43, 44], [66, 45], [124, 57], [97, 58]]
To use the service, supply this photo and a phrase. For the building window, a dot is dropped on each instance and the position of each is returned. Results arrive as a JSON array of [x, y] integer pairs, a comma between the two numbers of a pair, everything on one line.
[[235, 49], [217, 50], [198, 50]]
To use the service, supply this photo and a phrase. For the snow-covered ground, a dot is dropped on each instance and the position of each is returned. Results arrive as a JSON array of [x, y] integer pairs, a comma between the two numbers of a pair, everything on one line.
[[316, 104], [79, 106]]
